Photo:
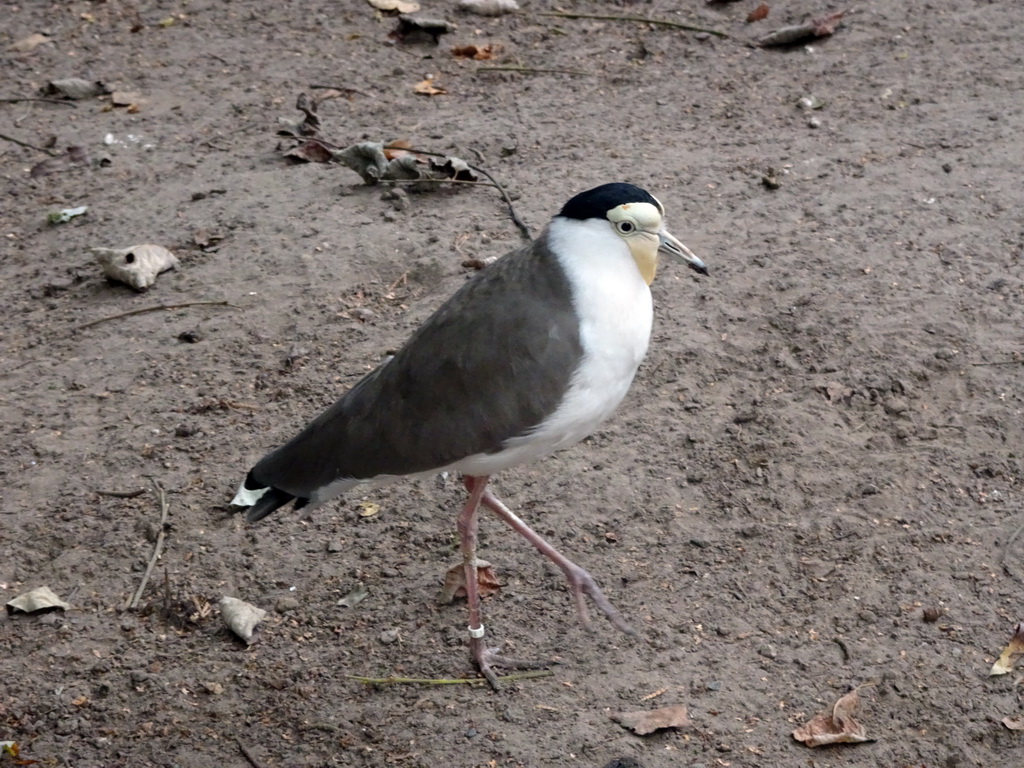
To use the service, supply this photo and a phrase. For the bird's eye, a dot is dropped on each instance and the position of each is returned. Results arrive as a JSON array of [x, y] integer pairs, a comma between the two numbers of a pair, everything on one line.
[[625, 227]]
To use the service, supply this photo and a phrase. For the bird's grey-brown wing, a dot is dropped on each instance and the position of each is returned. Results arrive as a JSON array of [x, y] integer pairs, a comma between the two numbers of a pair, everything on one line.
[[488, 365]]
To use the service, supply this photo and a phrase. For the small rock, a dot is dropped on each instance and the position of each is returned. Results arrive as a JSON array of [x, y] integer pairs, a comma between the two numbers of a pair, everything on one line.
[[931, 614], [285, 604], [768, 651], [389, 636]]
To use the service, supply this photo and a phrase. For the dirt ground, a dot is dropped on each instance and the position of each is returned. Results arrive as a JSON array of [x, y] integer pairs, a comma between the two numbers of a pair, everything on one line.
[[824, 442]]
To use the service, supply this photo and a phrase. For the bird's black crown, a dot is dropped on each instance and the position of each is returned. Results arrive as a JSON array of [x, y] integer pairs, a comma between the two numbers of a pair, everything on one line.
[[595, 203]]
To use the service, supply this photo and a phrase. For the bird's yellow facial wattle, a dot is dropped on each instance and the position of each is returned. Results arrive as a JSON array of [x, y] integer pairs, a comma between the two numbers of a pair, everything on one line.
[[640, 225]]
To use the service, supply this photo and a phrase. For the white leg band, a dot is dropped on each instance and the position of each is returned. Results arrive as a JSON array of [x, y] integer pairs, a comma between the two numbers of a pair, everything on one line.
[[477, 633]]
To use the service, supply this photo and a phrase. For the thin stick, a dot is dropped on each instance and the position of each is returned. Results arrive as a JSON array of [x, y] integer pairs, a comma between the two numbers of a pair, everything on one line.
[[535, 69], [248, 755], [635, 19], [1002, 362], [525, 230], [134, 602], [157, 309], [25, 144], [123, 494], [40, 98], [447, 680]]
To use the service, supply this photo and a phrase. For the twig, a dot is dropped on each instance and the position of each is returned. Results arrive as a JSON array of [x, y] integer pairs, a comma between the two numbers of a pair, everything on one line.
[[123, 494], [525, 230], [40, 98], [536, 70], [447, 680], [635, 19], [1002, 362], [161, 535], [25, 144], [157, 309], [248, 755]]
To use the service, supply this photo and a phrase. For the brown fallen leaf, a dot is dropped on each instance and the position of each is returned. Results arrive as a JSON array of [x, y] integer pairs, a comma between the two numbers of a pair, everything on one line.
[[398, 148], [761, 12], [838, 728], [826, 25], [1014, 723], [476, 52], [312, 151], [28, 44], [427, 88], [649, 721], [1010, 654], [455, 582]]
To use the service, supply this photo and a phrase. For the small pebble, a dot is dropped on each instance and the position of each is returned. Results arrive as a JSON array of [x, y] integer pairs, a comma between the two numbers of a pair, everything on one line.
[[285, 604], [389, 636]]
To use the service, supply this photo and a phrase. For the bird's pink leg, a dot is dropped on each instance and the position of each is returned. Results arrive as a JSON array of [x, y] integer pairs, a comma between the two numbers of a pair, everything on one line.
[[468, 525], [580, 582]]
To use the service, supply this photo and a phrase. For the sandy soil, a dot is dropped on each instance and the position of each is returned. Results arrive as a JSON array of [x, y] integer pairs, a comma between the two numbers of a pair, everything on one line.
[[824, 441]]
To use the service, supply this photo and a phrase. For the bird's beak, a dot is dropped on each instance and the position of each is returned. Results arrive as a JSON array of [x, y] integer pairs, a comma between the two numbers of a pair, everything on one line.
[[668, 245]]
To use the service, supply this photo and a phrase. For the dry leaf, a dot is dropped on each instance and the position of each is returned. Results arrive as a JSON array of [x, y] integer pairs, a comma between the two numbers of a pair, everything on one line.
[[761, 12], [368, 508], [355, 597], [1014, 723], [125, 98], [649, 721], [826, 25], [427, 88], [397, 149], [311, 151], [488, 7], [395, 6], [137, 265], [37, 601], [837, 728], [28, 44], [455, 582], [477, 52], [241, 617], [1010, 654]]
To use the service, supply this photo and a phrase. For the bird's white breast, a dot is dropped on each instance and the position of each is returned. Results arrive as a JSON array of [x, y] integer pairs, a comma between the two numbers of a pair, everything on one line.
[[615, 313]]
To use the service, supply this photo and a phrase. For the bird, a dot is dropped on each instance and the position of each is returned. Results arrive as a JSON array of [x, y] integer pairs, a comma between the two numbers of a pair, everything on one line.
[[527, 358]]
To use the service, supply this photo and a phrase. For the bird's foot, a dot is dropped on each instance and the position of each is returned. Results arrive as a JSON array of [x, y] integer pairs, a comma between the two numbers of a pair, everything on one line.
[[487, 659], [582, 584]]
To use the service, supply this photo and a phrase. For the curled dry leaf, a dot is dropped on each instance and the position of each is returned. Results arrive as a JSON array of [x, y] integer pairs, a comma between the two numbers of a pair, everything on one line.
[[137, 265], [488, 7], [761, 12], [28, 44], [355, 597], [1010, 654], [241, 617], [427, 88], [838, 728], [312, 151], [38, 600], [395, 6], [455, 582], [397, 149], [477, 52], [75, 88], [1014, 723], [649, 721]]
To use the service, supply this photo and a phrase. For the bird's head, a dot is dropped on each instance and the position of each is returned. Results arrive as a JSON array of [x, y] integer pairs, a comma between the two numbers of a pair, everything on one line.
[[636, 216]]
